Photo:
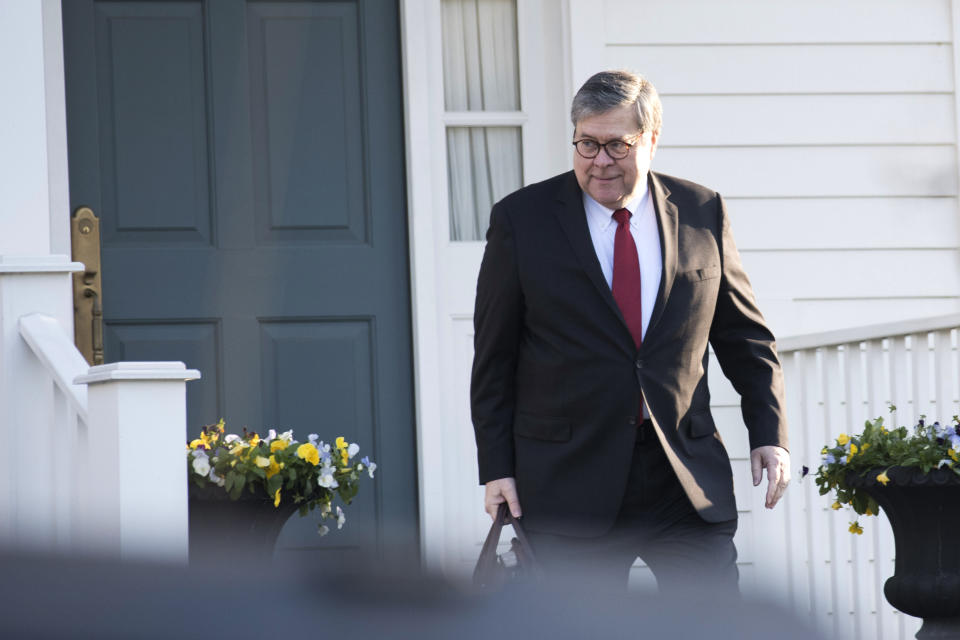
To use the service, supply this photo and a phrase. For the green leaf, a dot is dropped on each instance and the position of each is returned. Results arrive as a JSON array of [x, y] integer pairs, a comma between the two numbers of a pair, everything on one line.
[[274, 483]]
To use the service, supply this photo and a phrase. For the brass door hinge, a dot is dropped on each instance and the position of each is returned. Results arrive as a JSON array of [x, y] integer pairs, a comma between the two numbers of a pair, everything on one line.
[[87, 288]]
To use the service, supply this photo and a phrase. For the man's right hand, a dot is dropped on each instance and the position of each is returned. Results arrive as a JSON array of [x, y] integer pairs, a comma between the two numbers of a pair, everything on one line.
[[498, 492]]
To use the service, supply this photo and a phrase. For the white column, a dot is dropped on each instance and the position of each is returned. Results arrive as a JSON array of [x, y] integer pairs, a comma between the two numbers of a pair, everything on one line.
[[136, 504], [28, 475], [32, 127]]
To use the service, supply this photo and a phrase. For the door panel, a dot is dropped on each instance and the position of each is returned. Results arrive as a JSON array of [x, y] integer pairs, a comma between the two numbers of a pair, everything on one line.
[[307, 122], [152, 124], [246, 160]]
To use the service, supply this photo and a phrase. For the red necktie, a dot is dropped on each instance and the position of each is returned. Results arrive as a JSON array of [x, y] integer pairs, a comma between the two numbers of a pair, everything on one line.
[[626, 282], [626, 276]]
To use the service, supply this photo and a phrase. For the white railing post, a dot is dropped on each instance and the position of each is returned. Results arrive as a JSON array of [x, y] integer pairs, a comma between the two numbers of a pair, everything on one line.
[[136, 504], [28, 487]]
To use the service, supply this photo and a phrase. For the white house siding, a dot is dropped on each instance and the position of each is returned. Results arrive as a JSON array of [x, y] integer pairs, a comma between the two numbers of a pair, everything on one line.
[[830, 129]]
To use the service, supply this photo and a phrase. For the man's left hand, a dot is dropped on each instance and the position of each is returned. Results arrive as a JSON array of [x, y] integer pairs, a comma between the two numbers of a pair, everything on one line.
[[776, 460]]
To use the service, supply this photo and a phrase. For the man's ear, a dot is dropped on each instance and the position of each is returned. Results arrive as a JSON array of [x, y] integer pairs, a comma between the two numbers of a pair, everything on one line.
[[654, 139]]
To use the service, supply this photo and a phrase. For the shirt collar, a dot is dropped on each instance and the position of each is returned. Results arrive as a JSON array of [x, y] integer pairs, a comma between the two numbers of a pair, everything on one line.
[[601, 217]]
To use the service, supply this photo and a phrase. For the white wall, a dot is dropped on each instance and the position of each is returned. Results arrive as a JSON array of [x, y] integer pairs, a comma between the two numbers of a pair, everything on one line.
[[830, 128], [33, 165]]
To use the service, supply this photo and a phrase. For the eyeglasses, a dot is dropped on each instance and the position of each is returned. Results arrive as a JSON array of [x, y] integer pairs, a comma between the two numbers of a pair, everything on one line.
[[616, 149]]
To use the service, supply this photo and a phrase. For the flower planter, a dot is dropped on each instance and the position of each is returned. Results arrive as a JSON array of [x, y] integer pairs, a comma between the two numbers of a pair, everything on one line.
[[924, 511], [221, 528]]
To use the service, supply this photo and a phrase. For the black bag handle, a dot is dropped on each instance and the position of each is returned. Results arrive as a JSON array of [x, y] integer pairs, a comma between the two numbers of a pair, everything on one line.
[[488, 572]]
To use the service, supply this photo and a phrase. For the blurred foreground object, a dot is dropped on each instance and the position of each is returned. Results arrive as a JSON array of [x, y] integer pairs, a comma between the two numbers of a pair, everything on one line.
[[49, 597]]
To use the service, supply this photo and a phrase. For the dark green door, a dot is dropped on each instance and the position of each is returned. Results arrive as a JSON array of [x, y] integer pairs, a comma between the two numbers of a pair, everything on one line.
[[246, 161]]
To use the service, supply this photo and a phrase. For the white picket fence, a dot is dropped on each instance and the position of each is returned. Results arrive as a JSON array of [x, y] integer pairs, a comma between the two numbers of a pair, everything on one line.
[[835, 382]]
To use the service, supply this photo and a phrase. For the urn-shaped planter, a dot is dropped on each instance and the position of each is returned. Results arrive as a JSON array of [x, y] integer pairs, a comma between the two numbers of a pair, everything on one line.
[[924, 511], [221, 528]]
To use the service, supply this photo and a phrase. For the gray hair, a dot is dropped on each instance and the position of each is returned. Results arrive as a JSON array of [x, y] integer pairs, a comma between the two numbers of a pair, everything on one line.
[[609, 90]]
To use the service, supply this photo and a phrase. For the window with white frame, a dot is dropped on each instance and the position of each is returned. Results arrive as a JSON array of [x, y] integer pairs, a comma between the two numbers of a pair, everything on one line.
[[482, 110]]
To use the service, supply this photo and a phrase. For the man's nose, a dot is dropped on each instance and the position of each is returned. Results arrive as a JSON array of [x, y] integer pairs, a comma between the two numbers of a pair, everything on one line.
[[603, 159]]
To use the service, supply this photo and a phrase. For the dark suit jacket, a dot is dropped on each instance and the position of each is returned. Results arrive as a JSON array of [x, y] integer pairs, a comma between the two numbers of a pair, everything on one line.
[[557, 379]]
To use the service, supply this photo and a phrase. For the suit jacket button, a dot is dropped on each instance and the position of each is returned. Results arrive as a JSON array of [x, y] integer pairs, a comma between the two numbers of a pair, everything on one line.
[[631, 420], [639, 363]]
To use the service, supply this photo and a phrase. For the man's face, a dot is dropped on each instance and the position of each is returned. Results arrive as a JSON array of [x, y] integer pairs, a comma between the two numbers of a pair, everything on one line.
[[612, 182]]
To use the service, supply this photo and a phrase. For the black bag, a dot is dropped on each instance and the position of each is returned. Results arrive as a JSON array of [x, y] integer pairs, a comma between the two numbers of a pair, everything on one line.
[[517, 564]]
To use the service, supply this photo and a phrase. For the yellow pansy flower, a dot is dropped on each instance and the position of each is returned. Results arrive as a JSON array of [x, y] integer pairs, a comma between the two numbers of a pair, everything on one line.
[[237, 448], [196, 443], [853, 449], [341, 443], [261, 462], [277, 445], [344, 457], [835, 506], [842, 439], [954, 455], [274, 467], [883, 479], [855, 528], [309, 453], [823, 451], [276, 498], [864, 447], [254, 440]]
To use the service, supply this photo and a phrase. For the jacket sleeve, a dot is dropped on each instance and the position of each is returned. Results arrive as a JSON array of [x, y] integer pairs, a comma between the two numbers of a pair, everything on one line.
[[746, 349], [498, 321]]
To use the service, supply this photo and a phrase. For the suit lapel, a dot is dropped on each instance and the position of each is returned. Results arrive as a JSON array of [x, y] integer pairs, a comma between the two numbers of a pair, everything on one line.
[[667, 223], [573, 221]]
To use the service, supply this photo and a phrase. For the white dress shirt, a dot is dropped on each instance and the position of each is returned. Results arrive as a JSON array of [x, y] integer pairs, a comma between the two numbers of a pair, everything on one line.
[[643, 228]]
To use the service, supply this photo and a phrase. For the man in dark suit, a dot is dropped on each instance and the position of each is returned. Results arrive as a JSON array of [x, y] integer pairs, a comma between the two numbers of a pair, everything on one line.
[[599, 292]]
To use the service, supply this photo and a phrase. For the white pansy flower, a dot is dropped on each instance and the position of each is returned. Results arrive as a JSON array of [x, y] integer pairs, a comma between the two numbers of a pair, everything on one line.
[[353, 449], [287, 436], [341, 518], [218, 480], [230, 439], [312, 439], [955, 442], [201, 465], [326, 478], [945, 461], [271, 435]]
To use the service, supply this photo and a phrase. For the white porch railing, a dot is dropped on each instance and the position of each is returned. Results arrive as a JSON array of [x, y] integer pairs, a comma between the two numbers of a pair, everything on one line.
[[835, 382], [104, 470]]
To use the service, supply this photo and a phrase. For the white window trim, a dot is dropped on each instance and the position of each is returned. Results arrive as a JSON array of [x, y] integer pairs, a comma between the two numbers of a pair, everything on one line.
[[439, 302]]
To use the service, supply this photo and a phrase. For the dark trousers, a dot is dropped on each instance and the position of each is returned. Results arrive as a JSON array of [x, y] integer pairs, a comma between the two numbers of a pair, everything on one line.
[[656, 523]]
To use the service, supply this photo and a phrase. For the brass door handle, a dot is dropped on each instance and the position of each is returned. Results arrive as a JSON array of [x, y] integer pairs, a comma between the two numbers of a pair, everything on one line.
[[87, 287]]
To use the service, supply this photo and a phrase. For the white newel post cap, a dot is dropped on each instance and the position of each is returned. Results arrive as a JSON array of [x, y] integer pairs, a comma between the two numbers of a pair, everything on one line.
[[137, 371], [55, 263]]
